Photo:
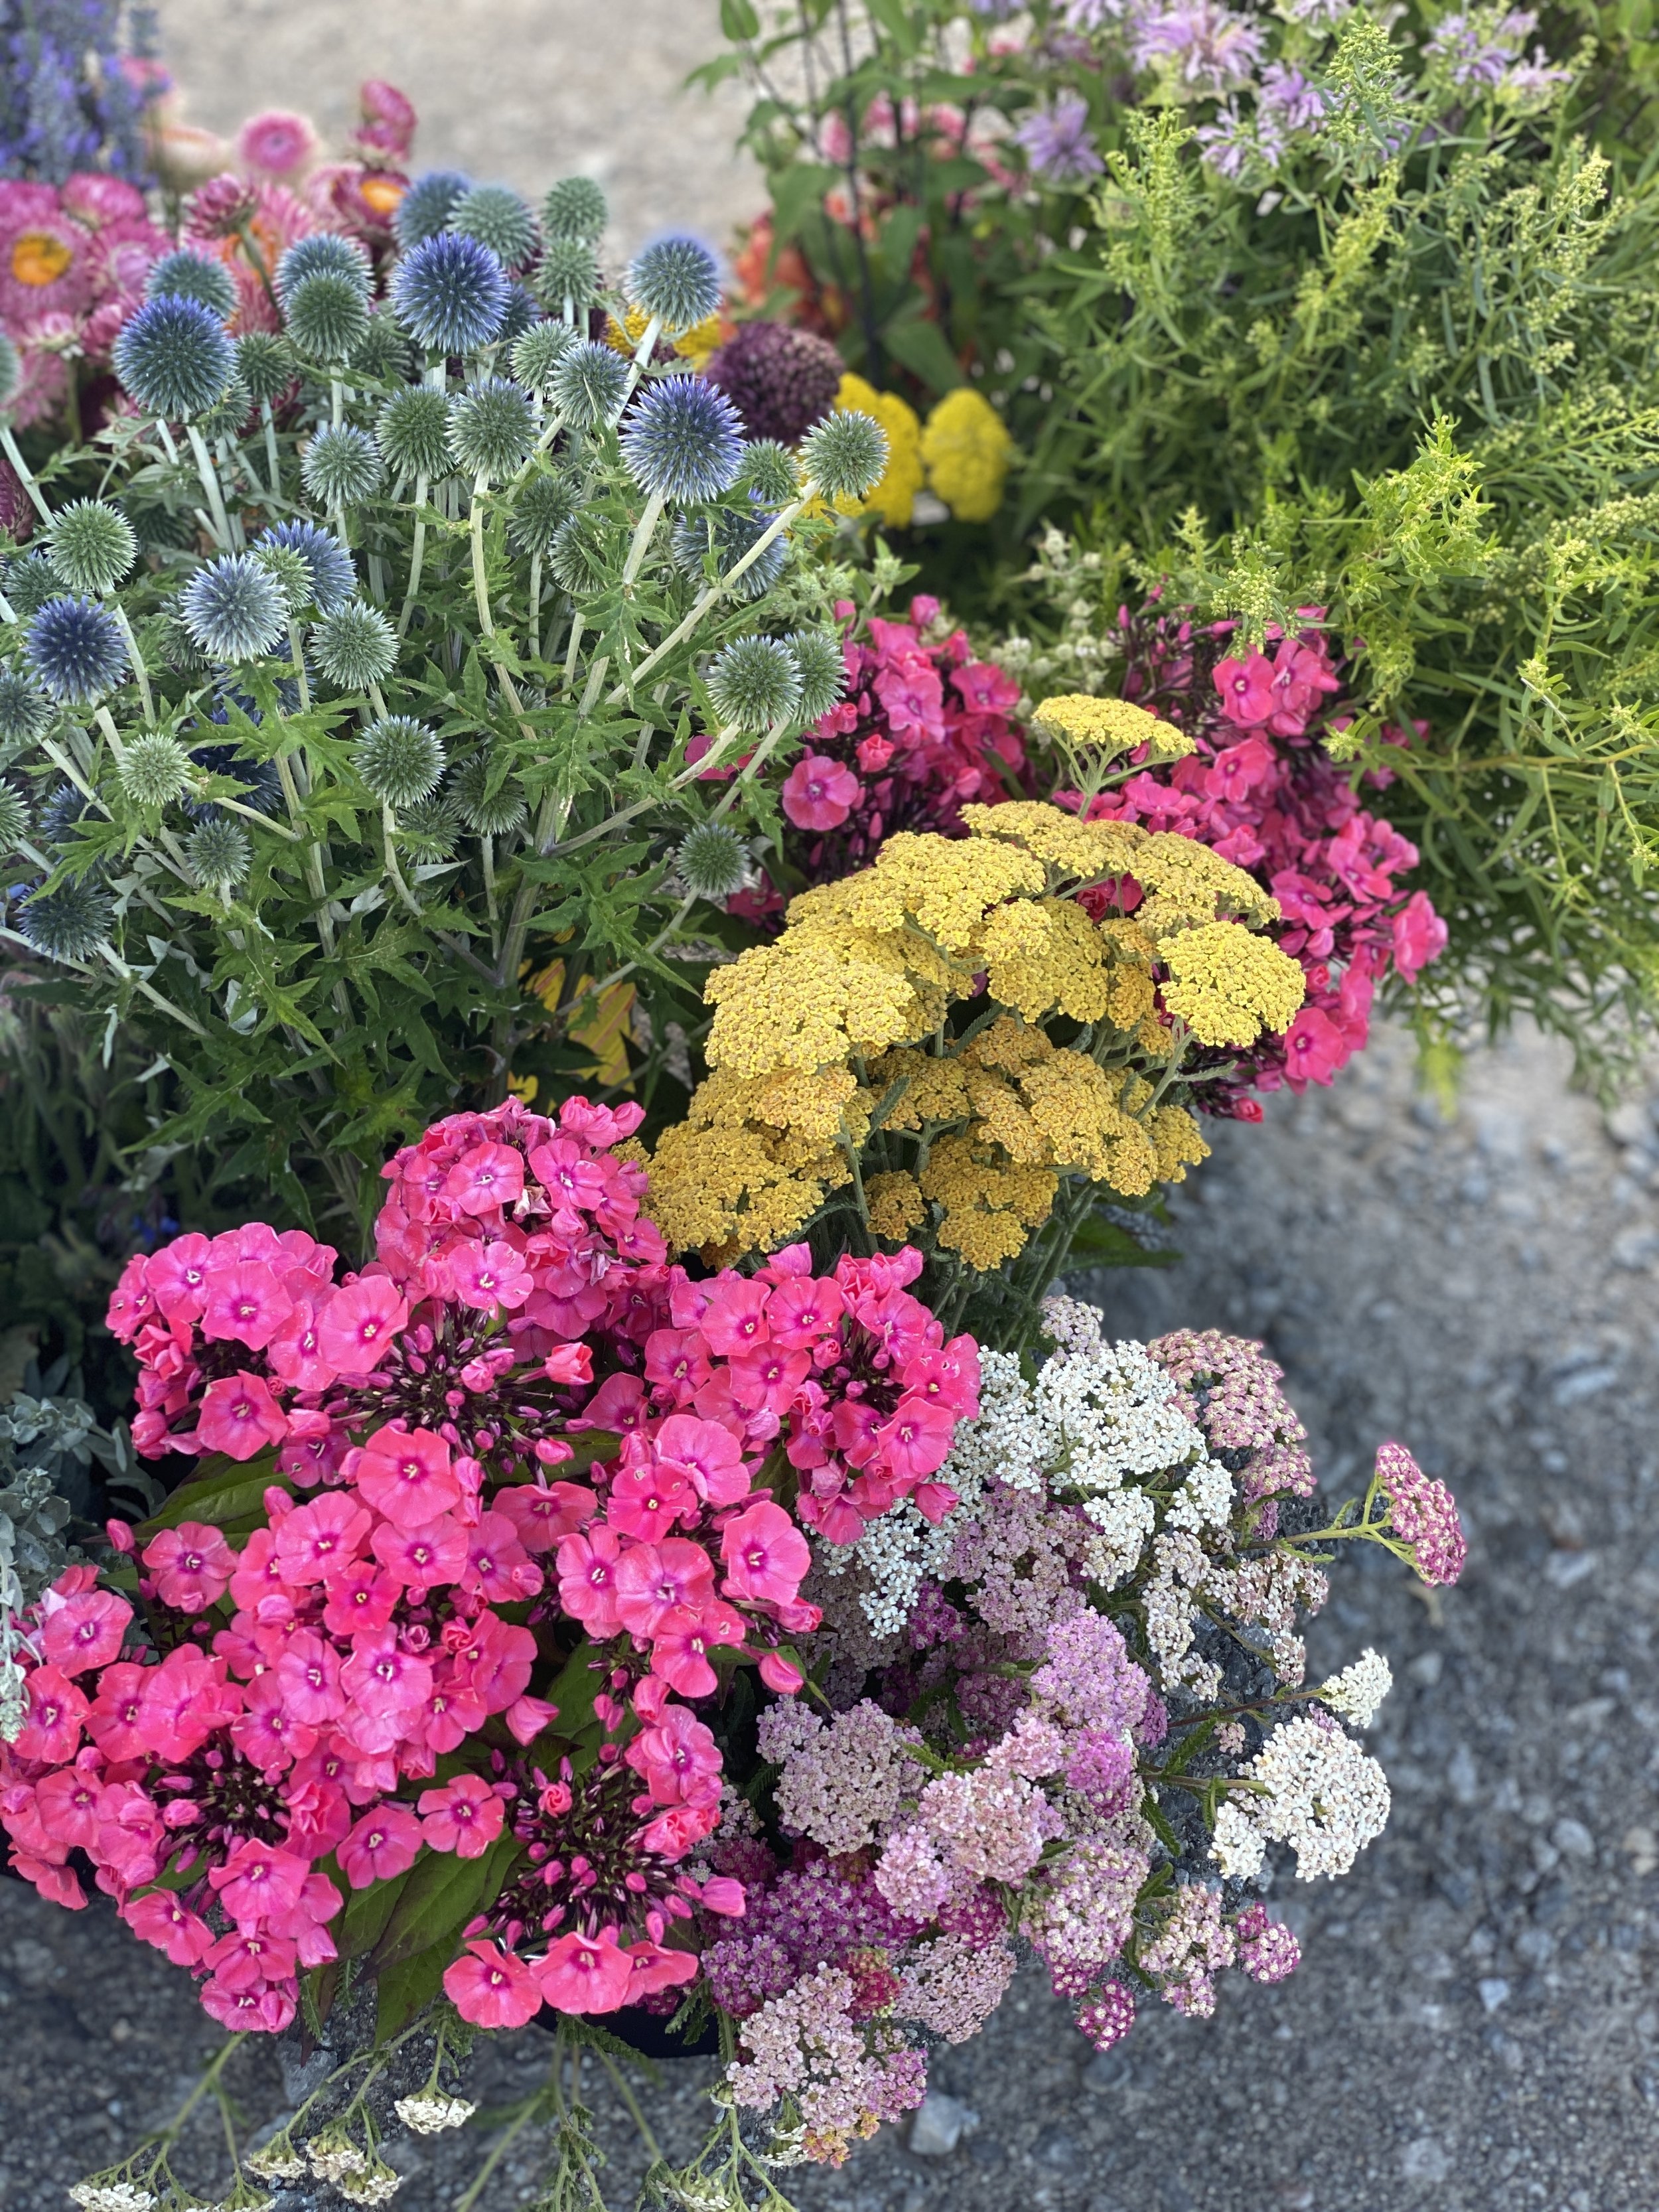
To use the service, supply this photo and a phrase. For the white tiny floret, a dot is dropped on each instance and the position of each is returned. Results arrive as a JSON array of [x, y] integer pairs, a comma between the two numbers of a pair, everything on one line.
[[1360, 1690], [1326, 1797], [1240, 1846]]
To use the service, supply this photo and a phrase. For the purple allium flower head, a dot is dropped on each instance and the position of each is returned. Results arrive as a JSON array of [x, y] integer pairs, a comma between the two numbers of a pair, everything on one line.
[[781, 380], [683, 440], [451, 292], [1059, 143], [1211, 49], [76, 651]]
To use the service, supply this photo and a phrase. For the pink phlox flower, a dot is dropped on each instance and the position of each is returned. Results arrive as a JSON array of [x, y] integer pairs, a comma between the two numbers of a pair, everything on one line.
[[542, 1512], [264, 2008], [407, 1475], [492, 1988], [733, 1318], [489, 1276], [709, 1452], [238, 1416], [361, 1599], [497, 1566], [493, 1659], [818, 792], [308, 1676], [421, 1558], [257, 1879], [803, 1310], [296, 1350], [84, 1630], [486, 1179], [647, 1499], [382, 1679], [176, 1275], [1247, 689], [766, 1555], [916, 1439], [766, 1380], [1418, 936], [526, 1717], [587, 1572], [247, 1959], [677, 1760], [655, 1583], [466, 1816], [1314, 1048], [569, 1173], [619, 1405], [585, 1974], [266, 1732], [359, 1320], [382, 1844], [653, 1967], [316, 1541], [56, 1710], [571, 1364], [171, 1927], [246, 1304]]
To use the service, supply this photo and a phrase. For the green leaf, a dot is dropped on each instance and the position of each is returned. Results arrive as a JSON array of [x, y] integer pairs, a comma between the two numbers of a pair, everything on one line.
[[403, 1993], [367, 1912], [442, 1892], [738, 21], [921, 347], [220, 1490], [797, 193]]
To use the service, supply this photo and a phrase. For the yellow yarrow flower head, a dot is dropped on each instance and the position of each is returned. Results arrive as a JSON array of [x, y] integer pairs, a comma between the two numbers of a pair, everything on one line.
[[1228, 985], [1107, 727], [966, 450], [894, 496]]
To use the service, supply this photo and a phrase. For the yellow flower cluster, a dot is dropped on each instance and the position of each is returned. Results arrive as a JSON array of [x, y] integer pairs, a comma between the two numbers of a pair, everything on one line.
[[895, 496], [841, 1023], [698, 345], [966, 450], [1108, 726]]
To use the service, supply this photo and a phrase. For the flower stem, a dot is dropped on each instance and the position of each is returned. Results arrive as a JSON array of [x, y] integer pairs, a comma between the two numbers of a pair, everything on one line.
[[716, 591], [25, 474], [210, 485], [416, 555]]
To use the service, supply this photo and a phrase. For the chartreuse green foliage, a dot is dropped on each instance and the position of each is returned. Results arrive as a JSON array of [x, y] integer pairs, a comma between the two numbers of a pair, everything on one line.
[[349, 741]]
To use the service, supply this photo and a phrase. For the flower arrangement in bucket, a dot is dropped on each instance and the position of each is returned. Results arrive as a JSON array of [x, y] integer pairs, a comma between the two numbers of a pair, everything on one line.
[[547, 1631]]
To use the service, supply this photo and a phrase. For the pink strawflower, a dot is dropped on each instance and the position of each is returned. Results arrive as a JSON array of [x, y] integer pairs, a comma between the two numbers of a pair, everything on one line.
[[275, 143], [1423, 1514]]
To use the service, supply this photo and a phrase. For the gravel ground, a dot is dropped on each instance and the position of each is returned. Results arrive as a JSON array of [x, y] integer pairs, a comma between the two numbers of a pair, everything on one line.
[[1475, 2024]]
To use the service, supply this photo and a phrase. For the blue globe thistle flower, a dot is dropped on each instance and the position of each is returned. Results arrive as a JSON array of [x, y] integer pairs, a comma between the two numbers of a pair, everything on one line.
[[176, 357], [189, 275], [91, 545], [540, 510], [677, 280], [519, 314], [261, 786], [755, 683], [822, 665], [768, 471], [728, 536], [413, 432], [154, 770], [68, 924], [342, 465], [487, 812], [845, 455], [451, 292], [219, 853], [233, 607], [11, 370], [575, 208], [30, 581], [426, 207], [77, 651], [24, 712], [684, 441], [64, 807], [586, 553], [588, 385], [491, 426], [333, 579], [497, 218], [327, 317], [382, 353], [323, 253]]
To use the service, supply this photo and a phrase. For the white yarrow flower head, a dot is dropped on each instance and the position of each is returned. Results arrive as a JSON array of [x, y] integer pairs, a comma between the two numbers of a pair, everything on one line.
[[1326, 1797], [1360, 1690], [431, 2112], [1239, 1846], [108, 2192], [335, 2156], [375, 2184], [276, 2160]]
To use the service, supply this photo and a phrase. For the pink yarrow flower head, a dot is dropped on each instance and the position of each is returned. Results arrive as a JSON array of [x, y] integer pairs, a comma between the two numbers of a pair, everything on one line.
[[1423, 1515]]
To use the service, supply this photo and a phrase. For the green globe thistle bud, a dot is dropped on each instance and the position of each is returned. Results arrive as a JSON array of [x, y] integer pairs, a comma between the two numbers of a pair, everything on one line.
[[676, 281], [539, 352], [67, 924], [575, 208], [432, 827], [540, 510], [25, 712], [342, 465], [586, 555], [413, 433], [499, 219], [225, 418], [712, 862], [13, 821], [290, 572], [355, 646], [90, 546], [568, 270], [327, 318], [171, 642], [822, 669], [154, 770], [845, 455], [487, 814], [264, 365], [399, 760], [187, 275], [30, 581], [425, 208], [382, 354], [768, 471], [322, 252], [11, 371], [754, 683], [728, 534], [492, 427], [588, 385], [219, 854]]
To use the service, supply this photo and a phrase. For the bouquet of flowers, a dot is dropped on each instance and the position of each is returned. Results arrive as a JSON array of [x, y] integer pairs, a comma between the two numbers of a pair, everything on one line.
[[547, 1630]]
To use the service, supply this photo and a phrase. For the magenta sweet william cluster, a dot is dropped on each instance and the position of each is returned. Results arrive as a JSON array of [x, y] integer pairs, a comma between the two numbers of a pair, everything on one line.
[[1261, 790], [922, 730], [267, 1727]]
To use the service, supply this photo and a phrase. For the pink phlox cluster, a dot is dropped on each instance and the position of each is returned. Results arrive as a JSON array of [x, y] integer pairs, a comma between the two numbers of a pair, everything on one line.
[[1261, 790], [844, 2076], [847, 1785], [73, 261], [1237, 1400], [1423, 1514], [1267, 1950], [923, 729], [952, 1985], [1192, 1947]]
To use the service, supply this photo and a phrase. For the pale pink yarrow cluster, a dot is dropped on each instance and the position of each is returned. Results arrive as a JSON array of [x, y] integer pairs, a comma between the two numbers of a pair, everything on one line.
[[844, 2077], [1193, 1946], [951, 1987], [1088, 1679], [1238, 1404], [846, 1783], [1424, 1515], [1267, 1950]]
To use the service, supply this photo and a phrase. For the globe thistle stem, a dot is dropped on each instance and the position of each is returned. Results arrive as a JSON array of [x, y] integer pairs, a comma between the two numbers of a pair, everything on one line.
[[487, 856], [715, 592], [575, 641], [214, 490], [395, 874], [271, 455], [535, 596], [480, 581], [416, 555], [140, 674], [297, 652], [644, 531], [26, 475]]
